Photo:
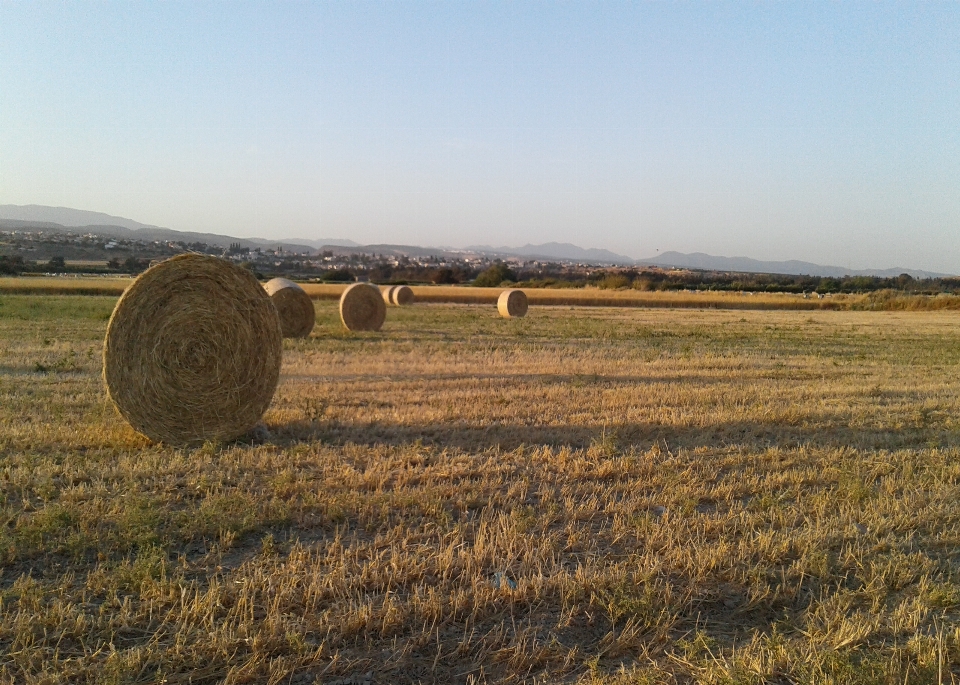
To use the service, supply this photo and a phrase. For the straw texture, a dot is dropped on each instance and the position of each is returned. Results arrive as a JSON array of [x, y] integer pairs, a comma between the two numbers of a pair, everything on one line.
[[297, 315], [193, 351], [402, 295], [512, 304], [387, 292], [362, 308]]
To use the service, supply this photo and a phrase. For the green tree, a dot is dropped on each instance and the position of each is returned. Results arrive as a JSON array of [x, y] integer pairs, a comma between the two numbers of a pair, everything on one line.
[[441, 276], [339, 276], [135, 265], [494, 276], [11, 265]]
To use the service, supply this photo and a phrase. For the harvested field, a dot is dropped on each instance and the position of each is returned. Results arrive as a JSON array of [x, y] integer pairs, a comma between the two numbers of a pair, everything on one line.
[[66, 285], [584, 297], [593, 297], [585, 495]]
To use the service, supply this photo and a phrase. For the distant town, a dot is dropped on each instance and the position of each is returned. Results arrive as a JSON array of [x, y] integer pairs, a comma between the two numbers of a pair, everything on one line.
[[30, 251], [26, 252]]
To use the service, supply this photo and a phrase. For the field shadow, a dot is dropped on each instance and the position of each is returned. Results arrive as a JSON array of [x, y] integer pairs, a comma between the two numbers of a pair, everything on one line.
[[621, 436], [572, 379]]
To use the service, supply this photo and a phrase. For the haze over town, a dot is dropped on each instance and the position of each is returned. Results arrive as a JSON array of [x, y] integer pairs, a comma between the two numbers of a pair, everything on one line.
[[824, 133]]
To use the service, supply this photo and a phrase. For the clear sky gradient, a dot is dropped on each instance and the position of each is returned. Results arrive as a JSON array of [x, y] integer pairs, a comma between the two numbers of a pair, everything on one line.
[[828, 132]]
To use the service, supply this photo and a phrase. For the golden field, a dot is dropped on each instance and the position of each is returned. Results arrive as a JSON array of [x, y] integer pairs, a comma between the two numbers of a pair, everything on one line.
[[587, 495], [577, 297]]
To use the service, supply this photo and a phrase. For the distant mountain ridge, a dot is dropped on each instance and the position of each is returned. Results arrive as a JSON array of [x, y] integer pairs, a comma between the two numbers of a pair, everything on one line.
[[40, 217], [705, 262], [65, 216], [566, 251], [64, 219]]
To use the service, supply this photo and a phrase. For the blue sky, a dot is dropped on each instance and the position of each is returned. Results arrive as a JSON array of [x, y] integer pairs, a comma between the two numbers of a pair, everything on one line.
[[828, 132]]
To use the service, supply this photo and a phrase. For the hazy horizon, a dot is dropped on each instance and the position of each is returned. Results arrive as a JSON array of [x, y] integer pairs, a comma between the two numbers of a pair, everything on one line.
[[822, 133]]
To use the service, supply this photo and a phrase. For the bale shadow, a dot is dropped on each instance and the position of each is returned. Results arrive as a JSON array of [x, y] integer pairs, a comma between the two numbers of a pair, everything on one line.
[[832, 433], [574, 379]]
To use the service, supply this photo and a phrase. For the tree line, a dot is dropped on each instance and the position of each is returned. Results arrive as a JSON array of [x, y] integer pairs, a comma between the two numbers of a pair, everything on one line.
[[545, 275]]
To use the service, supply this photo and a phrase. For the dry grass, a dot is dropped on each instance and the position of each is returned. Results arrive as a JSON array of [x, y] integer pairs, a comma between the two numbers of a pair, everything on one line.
[[64, 285], [594, 495], [595, 297], [587, 297]]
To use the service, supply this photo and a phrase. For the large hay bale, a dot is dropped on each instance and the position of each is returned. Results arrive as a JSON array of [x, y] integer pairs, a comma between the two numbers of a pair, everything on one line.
[[402, 295], [193, 351], [512, 304], [294, 306], [387, 293], [362, 307]]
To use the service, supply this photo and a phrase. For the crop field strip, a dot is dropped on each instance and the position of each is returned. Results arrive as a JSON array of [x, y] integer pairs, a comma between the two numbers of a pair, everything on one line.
[[597, 495], [585, 297]]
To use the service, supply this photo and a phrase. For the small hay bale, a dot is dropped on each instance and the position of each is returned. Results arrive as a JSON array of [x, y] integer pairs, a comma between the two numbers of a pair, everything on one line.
[[387, 292], [192, 351], [294, 306], [512, 304], [362, 308], [402, 295]]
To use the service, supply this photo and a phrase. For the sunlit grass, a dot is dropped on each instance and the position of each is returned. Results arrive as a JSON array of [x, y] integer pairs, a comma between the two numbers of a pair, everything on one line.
[[596, 494]]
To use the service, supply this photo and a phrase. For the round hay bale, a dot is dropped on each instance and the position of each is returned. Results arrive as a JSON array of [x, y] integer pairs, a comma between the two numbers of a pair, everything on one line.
[[387, 292], [512, 304], [362, 307], [294, 306], [193, 351], [402, 295]]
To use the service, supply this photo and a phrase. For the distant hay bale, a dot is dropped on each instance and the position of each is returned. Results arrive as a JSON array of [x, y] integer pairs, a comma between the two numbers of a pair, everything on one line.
[[297, 315], [362, 308], [387, 293], [193, 351], [512, 304], [402, 295]]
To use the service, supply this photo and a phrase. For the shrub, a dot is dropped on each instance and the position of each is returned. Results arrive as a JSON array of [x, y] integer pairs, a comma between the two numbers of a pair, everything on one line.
[[252, 267], [614, 282], [11, 266], [494, 276], [644, 284], [442, 276], [135, 265], [339, 276]]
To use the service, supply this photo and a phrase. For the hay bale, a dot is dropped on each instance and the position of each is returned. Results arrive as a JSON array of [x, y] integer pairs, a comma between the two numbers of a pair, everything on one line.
[[387, 292], [362, 307], [193, 351], [294, 306], [512, 304], [402, 295]]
